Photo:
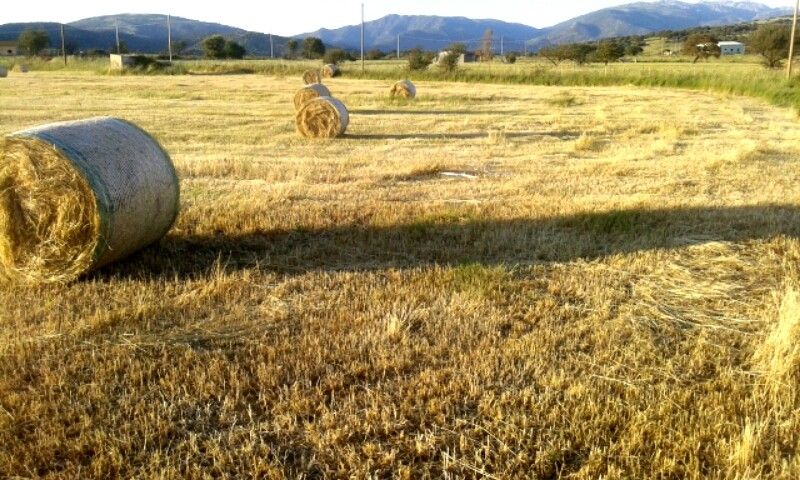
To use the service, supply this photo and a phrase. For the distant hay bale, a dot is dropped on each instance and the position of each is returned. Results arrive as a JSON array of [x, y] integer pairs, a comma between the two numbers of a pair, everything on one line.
[[322, 117], [20, 68], [3, 72], [309, 92], [76, 196], [311, 77], [331, 70], [404, 89]]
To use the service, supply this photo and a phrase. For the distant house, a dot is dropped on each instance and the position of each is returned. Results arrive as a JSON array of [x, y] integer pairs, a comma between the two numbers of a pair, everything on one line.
[[732, 48], [462, 59], [8, 49]]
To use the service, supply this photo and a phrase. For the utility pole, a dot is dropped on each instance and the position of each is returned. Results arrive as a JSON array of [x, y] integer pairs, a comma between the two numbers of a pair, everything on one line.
[[169, 37], [791, 44], [363, 67], [502, 45], [525, 47], [398, 47], [271, 47], [116, 28], [63, 45]]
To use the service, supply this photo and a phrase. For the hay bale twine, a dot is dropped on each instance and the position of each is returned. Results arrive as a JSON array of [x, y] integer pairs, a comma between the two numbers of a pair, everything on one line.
[[308, 92], [331, 70], [311, 77], [75, 196], [322, 117], [20, 68], [404, 89], [3, 72]]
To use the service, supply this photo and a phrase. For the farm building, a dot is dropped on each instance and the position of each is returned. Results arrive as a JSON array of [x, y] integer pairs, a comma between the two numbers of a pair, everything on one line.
[[8, 49], [732, 48]]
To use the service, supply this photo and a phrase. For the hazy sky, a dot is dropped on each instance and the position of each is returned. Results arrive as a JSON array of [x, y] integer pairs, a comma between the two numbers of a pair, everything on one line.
[[300, 16]]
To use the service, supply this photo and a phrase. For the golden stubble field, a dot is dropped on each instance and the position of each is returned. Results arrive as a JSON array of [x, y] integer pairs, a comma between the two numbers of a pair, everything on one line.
[[488, 282]]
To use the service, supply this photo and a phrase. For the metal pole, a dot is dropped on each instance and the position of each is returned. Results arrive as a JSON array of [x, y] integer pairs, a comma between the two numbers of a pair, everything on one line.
[[791, 44], [63, 45], [271, 47], [169, 37], [363, 67], [116, 28]]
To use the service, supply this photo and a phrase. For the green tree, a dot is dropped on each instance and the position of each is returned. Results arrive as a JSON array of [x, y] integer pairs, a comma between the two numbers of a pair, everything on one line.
[[555, 54], [701, 46], [214, 46], [633, 49], [449, 62], [419, 60], [336, 56], [457, 48], [291, 46], [32, 42], [313, 48], [179, 47], [579, 52], [609, 51], [771, 41], [234, 50]]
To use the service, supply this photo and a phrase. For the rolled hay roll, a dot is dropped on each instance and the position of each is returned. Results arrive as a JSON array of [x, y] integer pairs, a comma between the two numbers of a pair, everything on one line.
[[404, 89], [308, 92], [322, 117], [311, 77], [3, 72], [76, 196], [331, 70]]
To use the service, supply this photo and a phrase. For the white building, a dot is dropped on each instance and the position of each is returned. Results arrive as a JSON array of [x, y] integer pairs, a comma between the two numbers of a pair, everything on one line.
[[731, 48], [8, 49]]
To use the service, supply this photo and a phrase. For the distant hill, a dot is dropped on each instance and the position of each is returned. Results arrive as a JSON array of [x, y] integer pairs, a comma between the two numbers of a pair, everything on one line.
[[145, 33], [649, 17], [433, 33], [428, 32]]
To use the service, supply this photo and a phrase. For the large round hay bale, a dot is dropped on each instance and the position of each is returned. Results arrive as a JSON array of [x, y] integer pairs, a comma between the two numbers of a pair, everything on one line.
[[312, 77], [322, 117], [331, 70], [308, 92], [20, 68], [404, 89], [75, 196], [3, 72]]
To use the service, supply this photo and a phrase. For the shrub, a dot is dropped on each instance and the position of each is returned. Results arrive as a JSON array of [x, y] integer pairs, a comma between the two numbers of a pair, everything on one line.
[[419, 60], [449, 62], [214, 46], [234, 50], [772, 41], [375, 54], [511, 58], [313, 48], [336, 56]]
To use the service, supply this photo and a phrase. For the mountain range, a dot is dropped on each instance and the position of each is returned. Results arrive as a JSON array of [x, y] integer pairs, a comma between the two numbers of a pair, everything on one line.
[[148, 33]]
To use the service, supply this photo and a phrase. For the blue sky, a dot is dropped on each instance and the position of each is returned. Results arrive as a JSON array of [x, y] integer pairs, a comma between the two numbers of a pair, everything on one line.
[[300, 16]]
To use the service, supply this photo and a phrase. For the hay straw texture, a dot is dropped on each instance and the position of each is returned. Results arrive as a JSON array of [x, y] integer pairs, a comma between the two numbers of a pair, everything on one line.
[[20, 68], [75, 196], [322, 117], [310, 92], [312, 77], [404, 89], [331, 70], [3, 72]]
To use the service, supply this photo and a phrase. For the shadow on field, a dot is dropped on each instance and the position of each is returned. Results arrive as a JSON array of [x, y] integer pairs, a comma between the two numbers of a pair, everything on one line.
[[456, 241], [433, 112], [455, 136]]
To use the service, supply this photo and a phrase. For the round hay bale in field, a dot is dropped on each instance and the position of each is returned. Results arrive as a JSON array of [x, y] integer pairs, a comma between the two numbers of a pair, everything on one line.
[[3, 72], [312, 77], [308, 92], [322, 117], [75, 196], [18, 68], [331, 70], [404, 89]]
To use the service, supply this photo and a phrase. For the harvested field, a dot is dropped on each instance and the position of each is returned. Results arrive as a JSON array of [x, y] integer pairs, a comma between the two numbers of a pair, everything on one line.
[[506, 282]]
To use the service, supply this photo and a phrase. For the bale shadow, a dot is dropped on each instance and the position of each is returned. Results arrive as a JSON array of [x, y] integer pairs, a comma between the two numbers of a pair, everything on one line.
[[456, 136], [433, 112], [457, 241]]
